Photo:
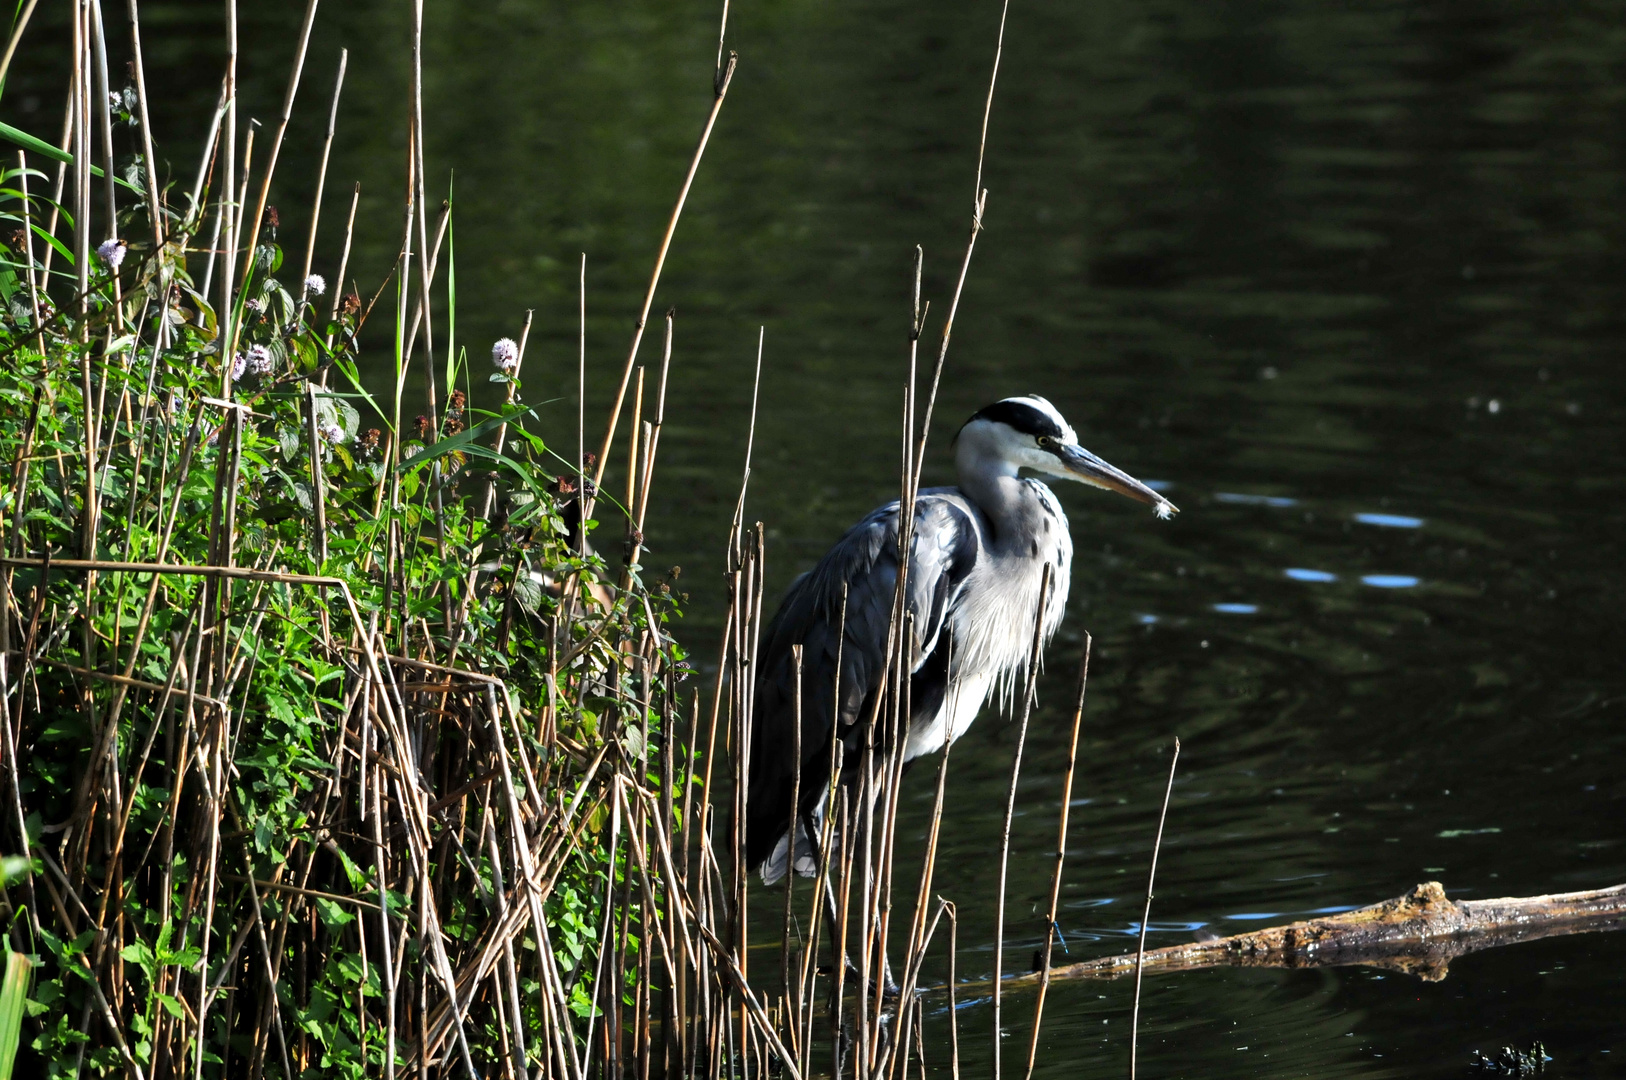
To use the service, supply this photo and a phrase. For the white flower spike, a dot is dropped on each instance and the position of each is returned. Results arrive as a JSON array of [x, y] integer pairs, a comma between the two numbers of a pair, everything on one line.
[[505, 356], [112, 252]]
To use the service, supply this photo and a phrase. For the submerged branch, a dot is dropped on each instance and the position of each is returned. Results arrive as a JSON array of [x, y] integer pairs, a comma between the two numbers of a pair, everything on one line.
[[1419, 934]]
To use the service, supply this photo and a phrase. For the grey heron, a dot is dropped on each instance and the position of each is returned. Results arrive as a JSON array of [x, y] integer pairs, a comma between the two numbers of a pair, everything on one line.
[[975, 574]]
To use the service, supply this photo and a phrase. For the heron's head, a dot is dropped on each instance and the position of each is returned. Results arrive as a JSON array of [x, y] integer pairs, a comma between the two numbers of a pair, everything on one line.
[[1029, 433]]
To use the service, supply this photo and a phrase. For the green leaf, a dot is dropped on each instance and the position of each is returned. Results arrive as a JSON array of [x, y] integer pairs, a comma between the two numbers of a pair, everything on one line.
[[289, 442], [348, 368], [61, 248], [462, 441], [13, 998], [528, 590], [357, 876], [40, 146], [29, 142], [187, 958], [281, 708], [334, 915], [349, 966], [140, 955]]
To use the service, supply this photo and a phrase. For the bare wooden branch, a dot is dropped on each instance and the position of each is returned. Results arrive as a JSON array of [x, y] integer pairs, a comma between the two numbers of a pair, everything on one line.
[[1419, 933]]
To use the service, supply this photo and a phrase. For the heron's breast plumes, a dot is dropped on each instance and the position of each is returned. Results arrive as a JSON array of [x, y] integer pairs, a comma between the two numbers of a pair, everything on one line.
[[993, 623]]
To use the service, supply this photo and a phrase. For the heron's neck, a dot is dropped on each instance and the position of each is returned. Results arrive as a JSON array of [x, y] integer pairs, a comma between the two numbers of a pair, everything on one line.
[[992, 484]]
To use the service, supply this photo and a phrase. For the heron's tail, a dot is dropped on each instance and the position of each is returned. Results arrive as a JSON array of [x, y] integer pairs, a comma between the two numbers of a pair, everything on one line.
[[773, 866]]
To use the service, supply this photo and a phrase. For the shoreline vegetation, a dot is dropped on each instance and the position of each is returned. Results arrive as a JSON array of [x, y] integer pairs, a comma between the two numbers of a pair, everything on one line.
[[332, 747]]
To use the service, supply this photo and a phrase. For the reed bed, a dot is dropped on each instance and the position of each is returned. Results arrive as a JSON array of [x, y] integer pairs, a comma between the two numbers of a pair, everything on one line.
[[341, 744]]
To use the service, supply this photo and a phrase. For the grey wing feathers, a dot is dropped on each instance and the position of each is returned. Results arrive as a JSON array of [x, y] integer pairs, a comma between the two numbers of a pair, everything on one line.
[[947, 541]]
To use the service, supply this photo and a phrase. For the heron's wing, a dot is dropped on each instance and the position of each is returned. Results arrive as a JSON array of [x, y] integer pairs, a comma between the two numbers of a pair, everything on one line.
[[947, 541]]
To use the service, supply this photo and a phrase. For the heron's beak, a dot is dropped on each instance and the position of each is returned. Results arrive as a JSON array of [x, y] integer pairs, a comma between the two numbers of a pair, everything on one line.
[[1079, 464]]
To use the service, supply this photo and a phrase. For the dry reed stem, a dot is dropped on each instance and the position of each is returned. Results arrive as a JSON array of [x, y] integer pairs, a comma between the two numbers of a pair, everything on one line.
[[721, 92], [336, 290], [313, 440], [736, 525], [37, 315], [63, 143], [581, 399], [919, 935], [1010, 806], [979, 202], [321, 185], [149, 170], [1146, 914], [954, 1012], [16, 36], [271, 166], [79, 108], [197, 206], [791, 1000], [104, 125], [1054, 911], [729, 964], [912, 1019], [899, 716]]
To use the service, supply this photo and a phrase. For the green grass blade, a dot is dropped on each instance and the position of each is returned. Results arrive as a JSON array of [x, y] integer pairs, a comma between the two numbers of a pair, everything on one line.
[[451, 290], [13, 992], [40, 146], [461, 440]]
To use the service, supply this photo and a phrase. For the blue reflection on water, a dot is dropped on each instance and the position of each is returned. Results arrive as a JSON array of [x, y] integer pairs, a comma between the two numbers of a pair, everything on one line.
[[1146, 620], [1390, 521], [1158, 485], [1253, 500], [1257, 916], [1237, 609], [1300, 574], [1390, 581]]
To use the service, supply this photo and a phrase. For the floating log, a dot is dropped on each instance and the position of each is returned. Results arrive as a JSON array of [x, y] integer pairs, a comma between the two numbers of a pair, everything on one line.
[[1418, 934]]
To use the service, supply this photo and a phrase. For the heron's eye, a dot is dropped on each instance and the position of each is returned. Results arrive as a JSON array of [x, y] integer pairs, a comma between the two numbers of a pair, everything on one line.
[[1046, 442]]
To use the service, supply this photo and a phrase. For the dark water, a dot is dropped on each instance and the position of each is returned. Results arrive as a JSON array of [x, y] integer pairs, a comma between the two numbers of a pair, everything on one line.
[[1346, 277]]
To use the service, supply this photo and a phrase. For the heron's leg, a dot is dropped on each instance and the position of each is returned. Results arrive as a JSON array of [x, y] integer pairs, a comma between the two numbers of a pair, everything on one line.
[[832, 913], [889, 986], [833, 916], [832, 909], [844, 1044], [883, 963]]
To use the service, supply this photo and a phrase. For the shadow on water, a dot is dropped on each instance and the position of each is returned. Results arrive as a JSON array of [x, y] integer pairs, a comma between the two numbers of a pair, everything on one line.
[[1346, 280]]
